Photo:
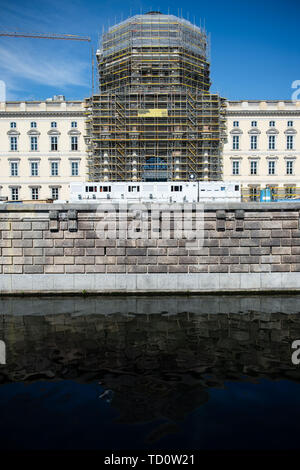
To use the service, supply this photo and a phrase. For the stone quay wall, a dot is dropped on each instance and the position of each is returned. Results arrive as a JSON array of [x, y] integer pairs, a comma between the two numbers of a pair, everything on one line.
[[52, 248]]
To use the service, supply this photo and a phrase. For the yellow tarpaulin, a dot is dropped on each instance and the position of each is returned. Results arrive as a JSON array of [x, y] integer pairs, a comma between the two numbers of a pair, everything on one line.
[[155, 112]]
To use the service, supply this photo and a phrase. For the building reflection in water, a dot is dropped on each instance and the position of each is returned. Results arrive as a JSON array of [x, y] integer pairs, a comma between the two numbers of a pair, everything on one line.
[[156, 358]]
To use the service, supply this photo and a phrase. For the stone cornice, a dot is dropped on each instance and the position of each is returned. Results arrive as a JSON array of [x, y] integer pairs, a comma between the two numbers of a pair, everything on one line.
[[25, 114], [262, 113]]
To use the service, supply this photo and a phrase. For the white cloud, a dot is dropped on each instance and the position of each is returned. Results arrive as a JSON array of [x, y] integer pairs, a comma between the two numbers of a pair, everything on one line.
[[59, 70]]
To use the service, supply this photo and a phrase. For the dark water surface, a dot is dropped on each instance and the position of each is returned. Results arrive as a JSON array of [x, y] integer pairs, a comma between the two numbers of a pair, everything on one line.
[[194, 372]]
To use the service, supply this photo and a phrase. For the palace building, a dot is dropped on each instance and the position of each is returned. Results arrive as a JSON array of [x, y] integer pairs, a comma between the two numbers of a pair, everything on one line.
[[153, 119], [42, 148], [263, 147]]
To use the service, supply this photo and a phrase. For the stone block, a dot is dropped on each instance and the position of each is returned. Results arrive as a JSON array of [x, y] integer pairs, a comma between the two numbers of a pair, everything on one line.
[[116, 269], [81, 243], [136, 269], [48, 252], [72, 226], [16, 234], [157, 269], [222, 251], [167, 260], [259, 251], [12, 252], [147, 260], [249, 259], [41, 225], [22, 226], [127, 259], [239, 214], [136, 251], [260, 234], [260, 268], [53, 215], [179, 268], [53, 225], [13, 269], [281, 268], [188, 260], [239, 251], [97, 268], [239, 268], [42, 260], [115, 251], [75, 269], [218, 268], [8, 243], [54, 269], [34, 269], [281, 233], [198, 269], [33, 234], [85, 260], [6, 260], [23, 260], [105, 260], [63, 243], [63, 260], [161, 251], [42, 243]]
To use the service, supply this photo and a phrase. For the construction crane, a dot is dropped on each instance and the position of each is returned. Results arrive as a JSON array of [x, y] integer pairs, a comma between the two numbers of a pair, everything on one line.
[[64, 37]]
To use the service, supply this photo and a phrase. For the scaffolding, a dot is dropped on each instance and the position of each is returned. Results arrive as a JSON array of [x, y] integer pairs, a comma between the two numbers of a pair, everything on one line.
[[154, 118]]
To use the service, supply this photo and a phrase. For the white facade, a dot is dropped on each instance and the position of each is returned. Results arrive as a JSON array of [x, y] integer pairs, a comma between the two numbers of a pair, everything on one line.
[[42, 148], [263, 147]]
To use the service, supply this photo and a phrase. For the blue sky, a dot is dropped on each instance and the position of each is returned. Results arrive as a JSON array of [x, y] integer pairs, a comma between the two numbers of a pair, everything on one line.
[[255, 45]]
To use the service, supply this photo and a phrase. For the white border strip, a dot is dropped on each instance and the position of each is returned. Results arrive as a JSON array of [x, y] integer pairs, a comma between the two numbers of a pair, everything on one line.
[[147, 283]]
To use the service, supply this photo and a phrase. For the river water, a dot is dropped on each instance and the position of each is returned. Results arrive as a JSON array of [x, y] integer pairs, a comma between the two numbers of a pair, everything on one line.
[[125, 372]]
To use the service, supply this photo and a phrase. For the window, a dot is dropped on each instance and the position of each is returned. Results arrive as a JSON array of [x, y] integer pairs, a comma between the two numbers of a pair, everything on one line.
[[235, 123], [74, 168], [236, 142], [13, 144], [91, 189], [14, 194], [54, 193], [253, 167], [289, 167], [34, 169], [253, 142], [290, 191], [272, 123], [289, 142], [54, 143], [271, 167], [74, 143], [33, 143], [73, 124], [274, 191], [254, 123], [236, 168], [53, 124], [105, 189], [54, 168], [13, 125], [14, 169], [33, 124], [271, 142], [290, 123], [133, 189], [34, 193], [253, 193]]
